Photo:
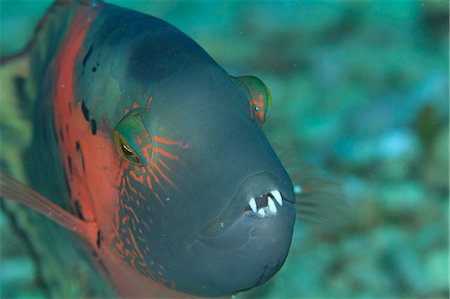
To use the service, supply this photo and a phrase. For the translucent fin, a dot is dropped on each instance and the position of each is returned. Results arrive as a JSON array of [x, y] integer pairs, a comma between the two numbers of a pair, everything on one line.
[[15, 190], [319, 198]]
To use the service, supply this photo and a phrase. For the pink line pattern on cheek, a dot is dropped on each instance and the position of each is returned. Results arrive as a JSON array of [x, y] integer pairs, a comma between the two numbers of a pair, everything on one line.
[[141, 192], [155, 169], [162, 174]]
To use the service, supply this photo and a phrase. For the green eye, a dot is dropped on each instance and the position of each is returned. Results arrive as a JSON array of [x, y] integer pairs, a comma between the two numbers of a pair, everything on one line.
[[260, 98], [125, 149], [132, 139]]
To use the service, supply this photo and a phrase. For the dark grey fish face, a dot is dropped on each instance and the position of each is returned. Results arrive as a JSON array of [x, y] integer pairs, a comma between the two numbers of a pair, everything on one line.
[[219, 211], [206, 207]]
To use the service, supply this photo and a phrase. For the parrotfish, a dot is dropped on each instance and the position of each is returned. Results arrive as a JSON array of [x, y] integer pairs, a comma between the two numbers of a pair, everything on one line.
[[158, 151]]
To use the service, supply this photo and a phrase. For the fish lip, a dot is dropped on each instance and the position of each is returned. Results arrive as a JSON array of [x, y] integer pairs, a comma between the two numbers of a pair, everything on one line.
[[255, 185]]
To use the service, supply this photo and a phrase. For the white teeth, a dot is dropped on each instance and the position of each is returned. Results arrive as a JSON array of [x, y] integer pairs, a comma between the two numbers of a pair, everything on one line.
[[266, 209], [261, 212], [272, 207], [276, 194], [252, 204]]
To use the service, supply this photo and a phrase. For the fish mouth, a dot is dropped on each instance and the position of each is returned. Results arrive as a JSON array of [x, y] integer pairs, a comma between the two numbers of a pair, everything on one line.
[[250, 237], [260, 196]]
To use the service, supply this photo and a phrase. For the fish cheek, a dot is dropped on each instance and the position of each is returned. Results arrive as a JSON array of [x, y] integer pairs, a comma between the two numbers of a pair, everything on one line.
[[135, 225]]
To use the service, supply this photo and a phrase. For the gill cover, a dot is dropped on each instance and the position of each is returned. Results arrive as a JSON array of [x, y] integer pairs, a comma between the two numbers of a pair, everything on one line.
[[132, 140], [260, 99]]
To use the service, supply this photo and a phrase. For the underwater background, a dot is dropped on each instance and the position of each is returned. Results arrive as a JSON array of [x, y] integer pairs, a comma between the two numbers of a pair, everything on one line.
[[360, 92]]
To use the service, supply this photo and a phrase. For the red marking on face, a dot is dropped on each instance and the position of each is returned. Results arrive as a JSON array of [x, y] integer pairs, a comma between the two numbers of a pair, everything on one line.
[[64, 117], [155, 169], [149, 101], [132, 213], [137, 247], [163, 140], [259, 111], [257, 103], [93, 158], [137, 178], [153, 175], [163, 164], [149, 183], [129, 185], [164, 176], [103, 174], [146, 150], [140, 175], [137, 105], [165, 154]]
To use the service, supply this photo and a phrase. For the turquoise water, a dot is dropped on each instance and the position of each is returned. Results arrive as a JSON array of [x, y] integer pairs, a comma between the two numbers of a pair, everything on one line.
[[360, 90]]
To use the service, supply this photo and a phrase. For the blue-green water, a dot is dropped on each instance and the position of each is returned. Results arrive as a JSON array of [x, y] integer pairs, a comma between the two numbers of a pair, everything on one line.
[[360, 90]]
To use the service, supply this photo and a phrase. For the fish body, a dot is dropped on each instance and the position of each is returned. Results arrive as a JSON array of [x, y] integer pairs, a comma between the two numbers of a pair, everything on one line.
[[159, 154]]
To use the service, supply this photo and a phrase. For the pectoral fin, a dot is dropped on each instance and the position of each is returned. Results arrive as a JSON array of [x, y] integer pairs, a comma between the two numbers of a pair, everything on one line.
[[12, 189]]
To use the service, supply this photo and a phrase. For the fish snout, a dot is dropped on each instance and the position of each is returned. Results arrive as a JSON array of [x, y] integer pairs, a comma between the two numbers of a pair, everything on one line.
[[251, 238], [260, 196]]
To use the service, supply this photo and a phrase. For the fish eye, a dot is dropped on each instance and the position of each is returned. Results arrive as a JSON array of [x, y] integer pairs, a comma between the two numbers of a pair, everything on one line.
[[132, 139], [260, 98], [125, 150]]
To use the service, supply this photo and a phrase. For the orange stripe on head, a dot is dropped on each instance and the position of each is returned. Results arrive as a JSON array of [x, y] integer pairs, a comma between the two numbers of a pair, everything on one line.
[[136, 218], [146, 150], [93, 172], [164, 164], [138, 251], [163, 175], [149, 101], [149, 183], [129, 184], [153, 175], [257, 103], [137, 178], [164, 153], [163, 140], [119, 174]]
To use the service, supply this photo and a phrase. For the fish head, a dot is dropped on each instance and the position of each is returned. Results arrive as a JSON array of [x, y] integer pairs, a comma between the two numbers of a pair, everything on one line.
[[208, 203]]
